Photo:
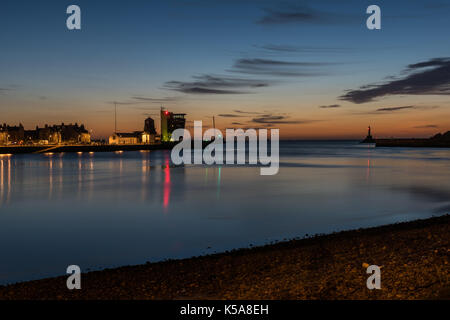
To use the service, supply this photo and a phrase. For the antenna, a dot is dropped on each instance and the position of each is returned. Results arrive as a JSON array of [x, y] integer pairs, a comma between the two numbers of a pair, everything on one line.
[[214, 123]]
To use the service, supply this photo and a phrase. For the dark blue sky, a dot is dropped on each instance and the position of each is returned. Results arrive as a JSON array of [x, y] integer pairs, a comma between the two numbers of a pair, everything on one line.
[[281, 59]]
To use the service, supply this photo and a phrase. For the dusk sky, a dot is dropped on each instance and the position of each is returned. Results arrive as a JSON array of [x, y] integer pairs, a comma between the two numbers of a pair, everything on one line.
[[310, 68]]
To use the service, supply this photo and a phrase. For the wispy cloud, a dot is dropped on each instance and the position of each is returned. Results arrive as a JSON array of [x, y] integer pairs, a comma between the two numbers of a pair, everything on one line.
[[155, 100], [427, 126], [247, 112], [279, 48], [212, 84], [230, 115], [391, 109], [143, 100], [270, 67], [224, 84], [122, 102], [301, 14], [430, 77], [263, 119], [8, 88], [270, 119], [331, 106], [145, 108], [289, 15]]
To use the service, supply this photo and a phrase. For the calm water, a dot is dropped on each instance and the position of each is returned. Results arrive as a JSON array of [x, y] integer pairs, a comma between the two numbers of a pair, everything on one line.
[[110, 209]]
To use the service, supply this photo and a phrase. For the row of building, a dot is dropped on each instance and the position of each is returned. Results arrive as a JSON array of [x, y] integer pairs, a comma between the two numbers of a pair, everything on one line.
[[56, 134], [78, 134]]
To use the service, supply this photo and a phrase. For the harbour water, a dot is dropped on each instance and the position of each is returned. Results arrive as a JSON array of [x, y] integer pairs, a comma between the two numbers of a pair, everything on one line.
[[100, 210]]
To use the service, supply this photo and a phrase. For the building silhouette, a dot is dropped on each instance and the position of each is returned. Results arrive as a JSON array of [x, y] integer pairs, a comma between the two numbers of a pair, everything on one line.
[[149, 126]]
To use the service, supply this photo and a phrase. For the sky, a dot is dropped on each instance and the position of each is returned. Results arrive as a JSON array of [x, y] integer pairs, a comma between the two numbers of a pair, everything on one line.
[[311, 69]]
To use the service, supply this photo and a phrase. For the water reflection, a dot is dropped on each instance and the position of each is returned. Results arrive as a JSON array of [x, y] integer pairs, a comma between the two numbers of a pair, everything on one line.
[[9, 180], [91, 175], [368, 164], [60, 176], [5, 178], [167, 184], [50, 173], [145, 171], [132, 207], [80, 174], [1, 181], [219, 177]]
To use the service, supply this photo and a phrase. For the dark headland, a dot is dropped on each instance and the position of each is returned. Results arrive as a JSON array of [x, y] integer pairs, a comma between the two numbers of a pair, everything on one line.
[[437, 141], [413, 256]]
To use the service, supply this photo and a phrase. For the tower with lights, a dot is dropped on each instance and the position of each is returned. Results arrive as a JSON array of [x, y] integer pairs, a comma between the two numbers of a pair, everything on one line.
[[170, 122]]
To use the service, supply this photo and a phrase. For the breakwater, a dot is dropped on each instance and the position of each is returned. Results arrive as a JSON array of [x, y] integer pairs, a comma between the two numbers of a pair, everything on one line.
[[412, 143]]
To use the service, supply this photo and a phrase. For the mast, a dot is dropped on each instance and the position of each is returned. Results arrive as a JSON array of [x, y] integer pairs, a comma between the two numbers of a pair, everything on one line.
[[115, 117]]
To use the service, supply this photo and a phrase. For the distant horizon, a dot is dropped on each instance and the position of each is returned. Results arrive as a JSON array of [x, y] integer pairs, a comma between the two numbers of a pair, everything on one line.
[[157, 125]]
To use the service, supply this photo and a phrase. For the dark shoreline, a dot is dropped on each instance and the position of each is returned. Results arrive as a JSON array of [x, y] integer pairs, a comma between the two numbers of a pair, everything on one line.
[[414, 257], [11, 150]]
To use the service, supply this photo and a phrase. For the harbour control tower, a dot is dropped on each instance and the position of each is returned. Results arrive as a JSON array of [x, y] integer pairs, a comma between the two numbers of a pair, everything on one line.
[[170, 122]]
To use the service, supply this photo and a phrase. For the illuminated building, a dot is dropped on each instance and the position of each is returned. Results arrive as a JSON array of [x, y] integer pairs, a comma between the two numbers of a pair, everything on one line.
[[137, 137], [55, 134], [74, 133], [16, 134], [3, 137], [170, 122], [124, 138], [46, 135]]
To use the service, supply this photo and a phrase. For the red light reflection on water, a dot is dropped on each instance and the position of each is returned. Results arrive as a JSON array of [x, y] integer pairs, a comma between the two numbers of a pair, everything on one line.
[[166, 190]]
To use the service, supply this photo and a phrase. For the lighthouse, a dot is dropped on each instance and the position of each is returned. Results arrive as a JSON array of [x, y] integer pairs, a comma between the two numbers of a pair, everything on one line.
[[369, 138]]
